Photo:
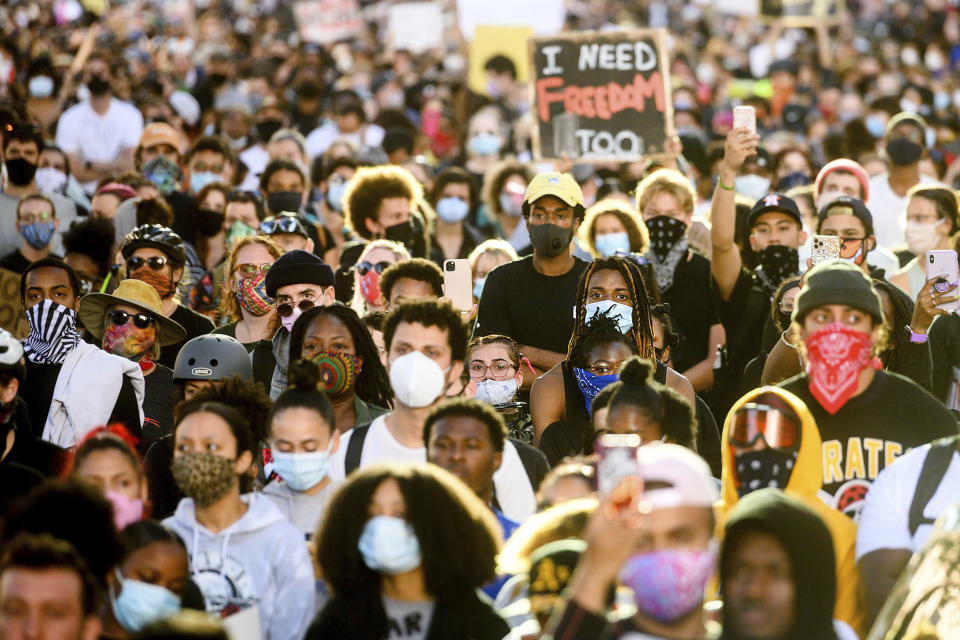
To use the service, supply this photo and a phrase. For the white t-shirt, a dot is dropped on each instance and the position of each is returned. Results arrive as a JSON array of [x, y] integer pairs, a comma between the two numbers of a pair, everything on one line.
[[888, 211], [99, 138], [320, 139], [885, 517], [256, 159]]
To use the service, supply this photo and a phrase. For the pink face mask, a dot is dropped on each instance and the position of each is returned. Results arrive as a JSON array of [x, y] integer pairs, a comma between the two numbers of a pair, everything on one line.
[[668, 584], [836, 354], [125, 510], [370, 287]]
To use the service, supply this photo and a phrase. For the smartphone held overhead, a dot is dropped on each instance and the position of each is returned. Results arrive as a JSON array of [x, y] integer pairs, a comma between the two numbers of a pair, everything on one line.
[[745, 117], [943, 270], [458, 283]]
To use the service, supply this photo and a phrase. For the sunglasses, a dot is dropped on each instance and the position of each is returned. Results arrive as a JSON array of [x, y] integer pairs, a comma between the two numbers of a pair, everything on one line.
[[365, 266], [119, 318], [286, 224], [286, 309], [247, 270], [154, 262], [754, 421]]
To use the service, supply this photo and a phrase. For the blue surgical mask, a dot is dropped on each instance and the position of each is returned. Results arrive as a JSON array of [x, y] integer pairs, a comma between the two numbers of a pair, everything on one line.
[[302, 471], [622, 312], [452, 209], [162, 172], [200, 179], [591, 384], [752, 186], [141, 603], [40, 86], [478, 287], [875, 125], [389, 545], [607, 244], [335, 195], [38, 234], [484, 144]]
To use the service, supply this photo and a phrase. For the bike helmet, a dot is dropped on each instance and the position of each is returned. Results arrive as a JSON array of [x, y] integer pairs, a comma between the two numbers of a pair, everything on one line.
[[11, 356], [212, 357], [157, 237]]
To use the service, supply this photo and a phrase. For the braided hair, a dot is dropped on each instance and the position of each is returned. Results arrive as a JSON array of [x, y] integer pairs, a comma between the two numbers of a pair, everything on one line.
[[642, 332]]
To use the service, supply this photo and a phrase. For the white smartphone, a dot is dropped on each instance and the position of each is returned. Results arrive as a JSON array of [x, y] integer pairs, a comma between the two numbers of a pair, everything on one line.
[[942, 268], [745, 116], [824, 248], [458, 283]]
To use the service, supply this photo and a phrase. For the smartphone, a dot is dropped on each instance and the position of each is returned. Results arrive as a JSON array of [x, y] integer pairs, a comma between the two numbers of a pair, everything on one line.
[[458, 283], [745, 116], [617, 460], [824, 248], [942, 268]]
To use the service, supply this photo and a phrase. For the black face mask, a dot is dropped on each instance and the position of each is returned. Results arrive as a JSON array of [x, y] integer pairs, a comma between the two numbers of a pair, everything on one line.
[[266, 129], [778, 263], [903, 152], [209, 222], [550, 240], [98, 86], [401, 232], [665, 232], [217, 79], [762, 469], [284, 201], [20, 171]]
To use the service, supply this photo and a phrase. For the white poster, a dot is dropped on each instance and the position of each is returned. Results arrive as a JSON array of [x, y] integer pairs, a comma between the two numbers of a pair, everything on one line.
[[545, 16], [415, 26]]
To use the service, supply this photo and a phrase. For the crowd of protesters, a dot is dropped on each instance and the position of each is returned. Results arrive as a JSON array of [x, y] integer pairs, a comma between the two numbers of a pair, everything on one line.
[[302, 340]]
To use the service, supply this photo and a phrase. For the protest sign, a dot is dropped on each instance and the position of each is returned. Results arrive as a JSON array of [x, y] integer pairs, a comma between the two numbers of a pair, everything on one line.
[[802, 13], [545, 17], [415, 26], [327, 20], [491, 40], [601, 96]]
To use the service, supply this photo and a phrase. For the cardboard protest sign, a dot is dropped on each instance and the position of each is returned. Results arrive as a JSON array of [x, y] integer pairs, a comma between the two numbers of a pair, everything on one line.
[[802, 13], [11, 311], [491, 40], [415, 26], [601, 96], [327, 20]]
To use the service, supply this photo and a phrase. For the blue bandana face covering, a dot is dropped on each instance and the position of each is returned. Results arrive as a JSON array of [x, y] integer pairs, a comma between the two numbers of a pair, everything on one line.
[[591, 384]]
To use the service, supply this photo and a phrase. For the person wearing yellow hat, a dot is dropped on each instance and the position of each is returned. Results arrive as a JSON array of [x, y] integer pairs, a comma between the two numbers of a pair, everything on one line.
[[130, 323], [158, 156], [519, 297]]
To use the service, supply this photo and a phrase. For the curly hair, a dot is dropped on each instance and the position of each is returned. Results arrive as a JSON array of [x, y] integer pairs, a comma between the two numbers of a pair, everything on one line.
[[229, 307], [367, 190], [601, 330], [458, 534], [302, 393], [628, 217], [43, 551], [472, 408], [494, 179], [246, 398], [666, 181], [671, 411], [454, 175], [419, 269], [372, 384], [430, 313], [671, 339], [642, 332], [93, 237]]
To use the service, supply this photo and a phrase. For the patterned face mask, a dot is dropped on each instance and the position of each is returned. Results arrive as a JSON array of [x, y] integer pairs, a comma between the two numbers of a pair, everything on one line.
[[129, 341], [53, 333], [668, 584], [162, 172], [162, 283], [205, 477], [836, 354], [252, 295], [338, 371]]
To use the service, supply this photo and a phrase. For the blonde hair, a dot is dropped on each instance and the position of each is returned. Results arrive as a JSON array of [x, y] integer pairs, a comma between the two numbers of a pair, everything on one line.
[[400, 254], [229, 308], [628, 217], [666, 181], [501, 247]]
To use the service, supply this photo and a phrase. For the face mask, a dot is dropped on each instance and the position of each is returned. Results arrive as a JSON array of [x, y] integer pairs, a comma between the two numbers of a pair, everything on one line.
[[266, 129], [851, 250], [200, 179], [40, 86], [237, 144], [98, 86], [922, 236], [875, 125], [20, 171], [791, 180], [335, 195], [217, 79], [752, 186], [591, 384], [284, 201], [50, 179], [909, 106], [161, 282], [209, 222], [550, 240], [496, 392], [401, 232], [608, 244], [301, 471], [291, 319], [252, 295], [129, 341], [205, 477], [389, 546], [608, 308], [668, 584], [478, 287], [163, 173], [836, 354], [417, 380], [941, 101], [38, 234], [665, 232], [484, 144], [338, 372], [370, 287], [762, 469], [141, 603], [53, 333], [125, 510], [452, 209], [778, 263], [239, 230], [903, 152], [512, 205]]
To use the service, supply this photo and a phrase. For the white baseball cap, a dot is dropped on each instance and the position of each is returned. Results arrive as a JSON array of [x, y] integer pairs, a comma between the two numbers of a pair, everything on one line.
[[675, 476]]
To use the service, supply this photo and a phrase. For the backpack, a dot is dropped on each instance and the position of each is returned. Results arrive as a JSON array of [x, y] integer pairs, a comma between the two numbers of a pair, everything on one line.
[[351, 460], [935, 466]]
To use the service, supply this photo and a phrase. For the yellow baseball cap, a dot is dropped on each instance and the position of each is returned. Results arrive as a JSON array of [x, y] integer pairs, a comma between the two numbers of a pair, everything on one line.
[[556, 184]]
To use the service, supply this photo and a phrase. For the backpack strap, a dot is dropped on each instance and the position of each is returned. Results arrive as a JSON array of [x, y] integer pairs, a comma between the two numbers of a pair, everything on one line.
[[934, 468], [351, 461]]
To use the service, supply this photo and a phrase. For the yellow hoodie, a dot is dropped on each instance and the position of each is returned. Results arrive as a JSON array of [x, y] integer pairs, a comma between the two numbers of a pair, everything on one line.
[[804, 484]]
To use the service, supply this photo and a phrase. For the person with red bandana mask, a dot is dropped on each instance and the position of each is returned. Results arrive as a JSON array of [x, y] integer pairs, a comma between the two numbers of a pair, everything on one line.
[[867, 417]]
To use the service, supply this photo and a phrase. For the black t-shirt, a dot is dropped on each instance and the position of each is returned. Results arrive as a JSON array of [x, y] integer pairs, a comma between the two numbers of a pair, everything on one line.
[[231, 330], [183, 208], [693, 310], [744, 317], [14, 261], [892, 416], [194, 324], [533, 309], [157, 405]]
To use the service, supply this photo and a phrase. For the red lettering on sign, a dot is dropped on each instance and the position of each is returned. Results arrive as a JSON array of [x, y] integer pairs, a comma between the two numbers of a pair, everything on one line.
[[601, 101]]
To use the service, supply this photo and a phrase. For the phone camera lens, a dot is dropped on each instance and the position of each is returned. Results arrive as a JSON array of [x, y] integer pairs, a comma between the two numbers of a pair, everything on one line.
[[930, 258], [451, 266]]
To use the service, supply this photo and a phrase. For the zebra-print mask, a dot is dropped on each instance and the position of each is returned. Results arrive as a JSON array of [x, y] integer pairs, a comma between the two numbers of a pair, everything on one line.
[[53, 333]]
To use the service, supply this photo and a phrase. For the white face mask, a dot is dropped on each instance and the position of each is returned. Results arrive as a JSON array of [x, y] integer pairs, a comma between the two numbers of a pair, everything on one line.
[[417, 380], [922, 236], [752, 186], [496, 391], [50, 179]]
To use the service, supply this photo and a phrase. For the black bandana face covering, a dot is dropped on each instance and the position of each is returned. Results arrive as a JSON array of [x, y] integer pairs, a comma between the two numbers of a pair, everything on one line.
[[777, 263], [665, 232], [53, 333], [762, 469]]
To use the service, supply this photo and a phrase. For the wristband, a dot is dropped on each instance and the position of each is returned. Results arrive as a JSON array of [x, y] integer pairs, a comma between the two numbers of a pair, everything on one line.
[[723, 186], [917, 338]]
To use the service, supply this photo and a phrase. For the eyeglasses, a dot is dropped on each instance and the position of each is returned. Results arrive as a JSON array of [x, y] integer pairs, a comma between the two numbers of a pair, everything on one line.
[[286, 309], [154, 262], [365, 266], [247, 270], [754, 421], [119, 318], [284, 224], [30, 218], [499, 370]]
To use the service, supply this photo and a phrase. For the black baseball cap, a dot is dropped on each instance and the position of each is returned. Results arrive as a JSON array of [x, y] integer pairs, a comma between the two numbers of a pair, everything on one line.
[[774, 202], [857, 207]]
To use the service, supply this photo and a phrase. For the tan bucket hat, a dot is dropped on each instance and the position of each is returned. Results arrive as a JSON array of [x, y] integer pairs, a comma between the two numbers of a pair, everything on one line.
[[137, 294]]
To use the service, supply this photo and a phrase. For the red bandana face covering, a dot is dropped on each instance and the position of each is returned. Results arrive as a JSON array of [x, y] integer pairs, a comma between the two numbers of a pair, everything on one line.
[[836, 354]]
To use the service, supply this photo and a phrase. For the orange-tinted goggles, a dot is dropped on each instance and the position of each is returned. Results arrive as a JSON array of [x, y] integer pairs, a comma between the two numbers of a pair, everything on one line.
[[754, 421]]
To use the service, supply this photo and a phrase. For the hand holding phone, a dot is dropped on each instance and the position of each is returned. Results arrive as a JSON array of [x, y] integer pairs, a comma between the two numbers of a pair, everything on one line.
[[824, 248], [942, 269], [745, 116]]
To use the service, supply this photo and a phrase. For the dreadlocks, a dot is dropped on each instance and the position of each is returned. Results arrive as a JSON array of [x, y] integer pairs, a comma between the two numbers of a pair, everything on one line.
[[642, 332], [902, 314]]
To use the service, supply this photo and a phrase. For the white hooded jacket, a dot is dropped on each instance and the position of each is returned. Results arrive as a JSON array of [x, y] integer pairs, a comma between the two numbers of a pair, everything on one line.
[[260, 560]]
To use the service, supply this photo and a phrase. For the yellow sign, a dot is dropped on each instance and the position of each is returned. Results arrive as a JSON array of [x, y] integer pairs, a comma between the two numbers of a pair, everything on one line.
[[490, 40]]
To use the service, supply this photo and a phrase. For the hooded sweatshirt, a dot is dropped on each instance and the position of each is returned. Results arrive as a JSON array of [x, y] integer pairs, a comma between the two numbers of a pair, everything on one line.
[[804, 486], [807, 542], [260, 560]]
